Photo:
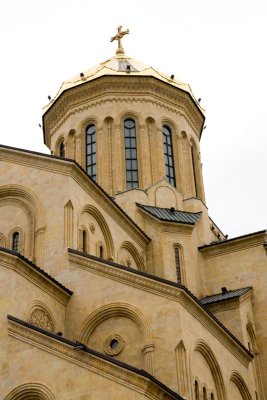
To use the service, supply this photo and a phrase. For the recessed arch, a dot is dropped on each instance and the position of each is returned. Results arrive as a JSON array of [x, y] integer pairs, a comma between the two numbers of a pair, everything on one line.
[[210, 358], [47, 319], [26, 199], [90, 209], [110, 310], [37, 391], [237, 379], [134, 253]]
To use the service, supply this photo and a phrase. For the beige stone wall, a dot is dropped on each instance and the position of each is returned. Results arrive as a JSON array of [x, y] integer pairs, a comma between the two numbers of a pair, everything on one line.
[[145, 318], [239, 264]]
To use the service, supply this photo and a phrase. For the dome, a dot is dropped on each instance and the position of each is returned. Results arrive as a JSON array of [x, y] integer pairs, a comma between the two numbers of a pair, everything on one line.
[[121, 65]]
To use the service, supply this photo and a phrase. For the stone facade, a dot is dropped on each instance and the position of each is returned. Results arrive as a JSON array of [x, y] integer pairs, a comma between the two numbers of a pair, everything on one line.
[[112, 287]]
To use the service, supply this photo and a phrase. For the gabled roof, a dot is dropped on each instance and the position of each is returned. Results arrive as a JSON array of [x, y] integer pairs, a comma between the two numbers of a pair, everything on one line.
[[171, 215], [228, 295]]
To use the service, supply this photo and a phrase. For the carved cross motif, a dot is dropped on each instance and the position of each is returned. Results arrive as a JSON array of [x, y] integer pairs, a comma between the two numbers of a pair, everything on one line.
[[119, 36]]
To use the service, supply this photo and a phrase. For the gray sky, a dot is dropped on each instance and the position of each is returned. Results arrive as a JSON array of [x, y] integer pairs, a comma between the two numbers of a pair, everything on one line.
[[219, 48]]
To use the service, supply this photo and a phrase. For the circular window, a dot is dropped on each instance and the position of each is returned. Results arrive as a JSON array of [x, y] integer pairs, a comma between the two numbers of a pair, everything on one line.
[[113, 345]]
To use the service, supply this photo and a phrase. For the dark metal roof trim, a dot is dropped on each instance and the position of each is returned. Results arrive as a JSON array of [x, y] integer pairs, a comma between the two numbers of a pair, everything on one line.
[[38, 269], [232, 239], [167, 282], [166, 214], [229, 295], [95, 353], [88, 177]]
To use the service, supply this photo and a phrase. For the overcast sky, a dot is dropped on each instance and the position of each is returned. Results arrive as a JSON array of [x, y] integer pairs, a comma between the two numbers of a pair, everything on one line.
[[218, 47]]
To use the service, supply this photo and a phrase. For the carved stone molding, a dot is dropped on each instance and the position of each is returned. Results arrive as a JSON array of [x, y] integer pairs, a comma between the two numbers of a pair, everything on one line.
[[34, 276], [41, 318], [176, 294], [133, 89], [114, 345], [123, 376]]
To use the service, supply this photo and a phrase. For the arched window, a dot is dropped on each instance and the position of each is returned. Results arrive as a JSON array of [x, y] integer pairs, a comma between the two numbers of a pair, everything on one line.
[[130, 154], [205, 393], [196, 390], [212, 396], [84, 241], [177, 264], [91, 151], [62, 150], [194, 170], [168, 155], [15, 241]]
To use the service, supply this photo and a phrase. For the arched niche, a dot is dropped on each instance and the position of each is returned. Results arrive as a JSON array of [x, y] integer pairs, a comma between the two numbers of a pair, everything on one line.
[[127, 322], [205, 366], [98, 229], [29, 208], [36, 391], [240, 384], [130, 256], [71, 144]]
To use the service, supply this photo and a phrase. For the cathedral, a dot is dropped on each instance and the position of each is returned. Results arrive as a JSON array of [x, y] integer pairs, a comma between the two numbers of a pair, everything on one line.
[[115, 282]]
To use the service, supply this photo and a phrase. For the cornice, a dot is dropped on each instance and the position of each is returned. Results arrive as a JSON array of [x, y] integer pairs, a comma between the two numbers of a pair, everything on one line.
[[133, 378], [164, 288], [233, 245], [122, 89], [34, 275], [70, 168]]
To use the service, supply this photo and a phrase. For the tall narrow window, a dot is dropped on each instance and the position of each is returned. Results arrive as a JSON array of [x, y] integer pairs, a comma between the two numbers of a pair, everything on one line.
[[194, 170], [196, 390], [130, 154], [168, 155], [213, 398], [15, 241], [84, 241], [91, 151], [205, 393], [62, 150], [177, 264], [101, 252]]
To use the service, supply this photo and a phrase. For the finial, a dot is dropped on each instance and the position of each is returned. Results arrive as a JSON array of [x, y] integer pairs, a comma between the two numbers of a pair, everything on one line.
[[119, 36]]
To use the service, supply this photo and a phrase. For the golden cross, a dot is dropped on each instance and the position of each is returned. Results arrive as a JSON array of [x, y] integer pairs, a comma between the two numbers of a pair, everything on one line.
[[119, 36]]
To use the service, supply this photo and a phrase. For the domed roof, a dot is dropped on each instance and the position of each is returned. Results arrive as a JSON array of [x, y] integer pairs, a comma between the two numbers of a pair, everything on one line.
[[121, 65]]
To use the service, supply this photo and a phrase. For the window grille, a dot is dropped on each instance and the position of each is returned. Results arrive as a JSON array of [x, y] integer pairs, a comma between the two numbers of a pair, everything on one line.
[[168, 155], [91, 151], [130, 154]]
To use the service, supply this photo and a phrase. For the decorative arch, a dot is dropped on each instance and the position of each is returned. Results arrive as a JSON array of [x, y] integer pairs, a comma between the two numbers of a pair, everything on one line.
[[178, 252], [2, 240], [135, 254], [237, 379], [210, 358], [59, 142], [39, 314], [122, 310], [70, 144], [181, 368], [32, 206], [37, 391], [255, 362], [90, 209], [110, 310]]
